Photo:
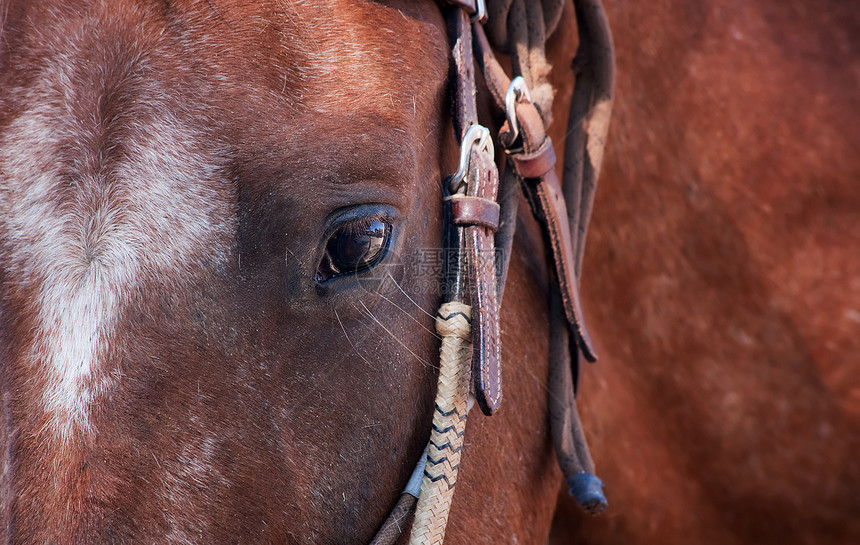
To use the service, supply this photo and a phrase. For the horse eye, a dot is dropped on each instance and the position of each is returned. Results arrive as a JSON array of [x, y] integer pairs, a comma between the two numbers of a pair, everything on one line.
[[353, 248]]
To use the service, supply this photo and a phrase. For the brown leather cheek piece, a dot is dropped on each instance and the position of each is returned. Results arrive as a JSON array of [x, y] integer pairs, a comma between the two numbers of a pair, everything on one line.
[[548, 204], [545, 196], [534, 162], [543, 191], [481, 259], [477, 223]]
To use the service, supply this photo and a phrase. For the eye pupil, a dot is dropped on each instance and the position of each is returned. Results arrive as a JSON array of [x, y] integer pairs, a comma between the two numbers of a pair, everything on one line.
[[354, 248]]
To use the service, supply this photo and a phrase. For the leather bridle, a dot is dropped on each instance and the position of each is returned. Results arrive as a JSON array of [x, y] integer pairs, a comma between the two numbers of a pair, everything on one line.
[[480, 220]]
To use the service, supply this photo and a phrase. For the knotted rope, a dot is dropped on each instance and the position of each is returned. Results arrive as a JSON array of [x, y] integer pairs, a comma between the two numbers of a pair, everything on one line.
[[453, 323]]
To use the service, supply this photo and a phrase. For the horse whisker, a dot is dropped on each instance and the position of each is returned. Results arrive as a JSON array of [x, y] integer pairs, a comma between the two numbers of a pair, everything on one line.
[[410, 299], [393, 336], [398, 307], [352, 344]]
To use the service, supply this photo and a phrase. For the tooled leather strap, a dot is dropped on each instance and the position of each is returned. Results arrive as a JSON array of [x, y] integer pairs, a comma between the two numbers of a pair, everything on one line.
[[474, 219], [479, 212]]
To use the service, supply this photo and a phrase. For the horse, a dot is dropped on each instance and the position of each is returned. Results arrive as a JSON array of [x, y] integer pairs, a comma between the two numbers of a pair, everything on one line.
[[213, 216], [722, 279], [182, 360]]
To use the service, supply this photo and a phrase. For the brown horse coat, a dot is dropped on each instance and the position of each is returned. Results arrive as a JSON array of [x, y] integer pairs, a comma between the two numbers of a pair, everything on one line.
[[722, 278]]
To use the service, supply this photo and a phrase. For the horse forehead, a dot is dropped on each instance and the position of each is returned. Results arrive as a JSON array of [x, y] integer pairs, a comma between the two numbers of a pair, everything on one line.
[[92, 210], [327, 55], [338, 54], [129, 153]]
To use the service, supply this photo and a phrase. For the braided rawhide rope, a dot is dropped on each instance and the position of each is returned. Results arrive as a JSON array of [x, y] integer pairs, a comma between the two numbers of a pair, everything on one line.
[[449, 425]]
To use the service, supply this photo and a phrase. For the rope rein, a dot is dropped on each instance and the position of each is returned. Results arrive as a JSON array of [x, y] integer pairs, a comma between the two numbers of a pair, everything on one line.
[[453, 323]]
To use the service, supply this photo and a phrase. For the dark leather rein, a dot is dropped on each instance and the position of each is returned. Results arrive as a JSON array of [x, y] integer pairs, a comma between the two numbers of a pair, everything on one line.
[[480, 220]]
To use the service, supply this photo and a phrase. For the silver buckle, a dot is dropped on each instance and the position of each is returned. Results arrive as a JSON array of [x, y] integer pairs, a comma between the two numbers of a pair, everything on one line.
[[476, 135], [517, 92], [480, 15]]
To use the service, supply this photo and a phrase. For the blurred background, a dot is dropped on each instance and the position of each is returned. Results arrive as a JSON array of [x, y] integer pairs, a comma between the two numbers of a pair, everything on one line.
[[722, 278]]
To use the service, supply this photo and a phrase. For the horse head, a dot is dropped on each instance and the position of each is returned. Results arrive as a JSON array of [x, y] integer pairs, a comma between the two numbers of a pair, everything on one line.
[[220, 230]]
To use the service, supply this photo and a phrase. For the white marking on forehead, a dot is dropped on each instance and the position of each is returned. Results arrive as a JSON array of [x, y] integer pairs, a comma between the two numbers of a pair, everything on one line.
[[86, 255]]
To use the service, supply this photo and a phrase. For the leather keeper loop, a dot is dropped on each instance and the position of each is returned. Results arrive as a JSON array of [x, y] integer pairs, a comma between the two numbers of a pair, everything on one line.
[[535, 165], [467, 210]]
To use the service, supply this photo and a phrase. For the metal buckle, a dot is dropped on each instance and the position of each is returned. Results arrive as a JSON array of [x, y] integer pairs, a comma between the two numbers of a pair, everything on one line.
[[517, 91], [477, 134], [480, 15]]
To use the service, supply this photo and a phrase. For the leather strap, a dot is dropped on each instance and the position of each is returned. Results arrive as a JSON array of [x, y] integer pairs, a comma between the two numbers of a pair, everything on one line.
[[544, 195], [464, 113], [532, 156], [462, 72], [494, 75], [467, 211], [480, 248], [472, 220]]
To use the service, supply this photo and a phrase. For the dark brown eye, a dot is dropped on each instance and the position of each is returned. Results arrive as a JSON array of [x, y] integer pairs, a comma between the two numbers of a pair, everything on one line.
[[353, 248]]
